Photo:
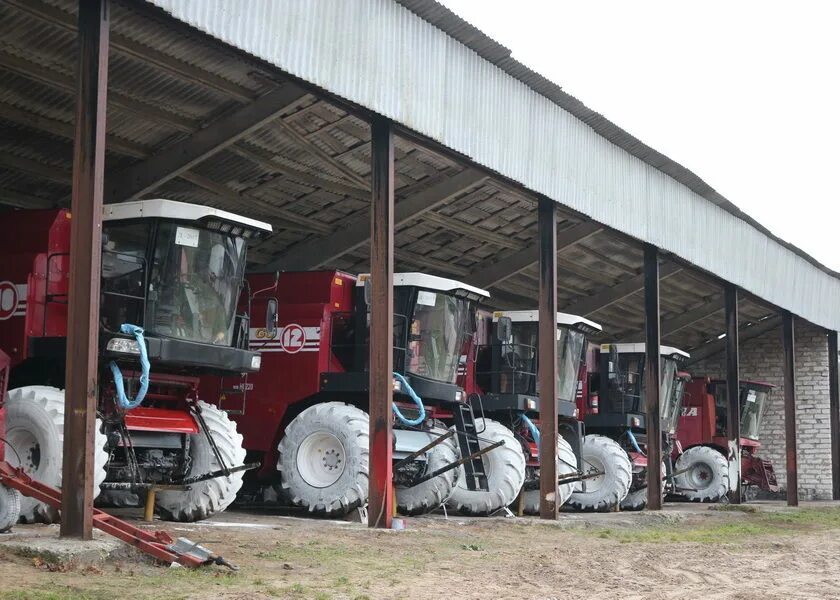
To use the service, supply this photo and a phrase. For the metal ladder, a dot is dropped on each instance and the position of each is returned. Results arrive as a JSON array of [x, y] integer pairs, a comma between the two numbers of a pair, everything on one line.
[[468, 443]]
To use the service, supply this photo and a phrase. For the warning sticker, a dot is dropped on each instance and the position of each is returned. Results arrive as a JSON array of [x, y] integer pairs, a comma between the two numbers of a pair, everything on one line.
[[426, 298], [184, 236]]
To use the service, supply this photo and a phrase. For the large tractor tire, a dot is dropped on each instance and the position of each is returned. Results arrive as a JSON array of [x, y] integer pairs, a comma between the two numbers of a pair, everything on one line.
[[213, 495], [706, 474], [505, 469], [324, 458], [637, 499], [566, 465], [35, 438], [605, 492], [427, 496], [9, 508]]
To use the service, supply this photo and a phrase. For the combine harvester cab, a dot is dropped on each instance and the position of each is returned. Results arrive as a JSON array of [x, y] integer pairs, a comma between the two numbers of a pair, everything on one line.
[[613, 408], [706, 468], [504, 375], [171, 280], [304, 416]]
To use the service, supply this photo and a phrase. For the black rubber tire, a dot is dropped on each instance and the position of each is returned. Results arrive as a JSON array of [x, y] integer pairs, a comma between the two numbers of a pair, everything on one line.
[[205, 498], [566, 465], [505, 469], [9, 508], [348, 425], [707, 474], [35, 428], [429, 495], [613, 485]]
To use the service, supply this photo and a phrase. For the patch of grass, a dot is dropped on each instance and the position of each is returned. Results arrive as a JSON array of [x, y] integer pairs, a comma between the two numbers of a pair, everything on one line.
[[726, 532], [825, 518], [472, 547], [744, 508]]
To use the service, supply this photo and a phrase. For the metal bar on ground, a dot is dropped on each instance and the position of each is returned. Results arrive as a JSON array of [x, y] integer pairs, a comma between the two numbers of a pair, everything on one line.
[[733, 387], [788, 342], [85, 254], [834, 416], [381, 322], [547, 363], [652, 377]]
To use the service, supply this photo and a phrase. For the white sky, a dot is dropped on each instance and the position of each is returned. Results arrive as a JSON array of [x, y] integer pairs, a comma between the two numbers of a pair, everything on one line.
[[744, 93]]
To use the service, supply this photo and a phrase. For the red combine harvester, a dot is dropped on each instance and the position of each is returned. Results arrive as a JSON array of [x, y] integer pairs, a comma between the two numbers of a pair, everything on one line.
[[304, 416], [613, 405], [704, 469], [504, 376], [171, 280]]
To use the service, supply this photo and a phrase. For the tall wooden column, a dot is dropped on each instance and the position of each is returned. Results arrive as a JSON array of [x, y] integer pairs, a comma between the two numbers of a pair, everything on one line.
[[834, 417], [652, 378], [788, 337], [380, 503], [81, 384], [733, 390], [547, 365]]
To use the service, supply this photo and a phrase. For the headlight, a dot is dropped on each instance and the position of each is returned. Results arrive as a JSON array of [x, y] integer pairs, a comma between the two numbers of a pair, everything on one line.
[[459, 396], [397, 385], [531, 403], [123, 345], [256, 361]]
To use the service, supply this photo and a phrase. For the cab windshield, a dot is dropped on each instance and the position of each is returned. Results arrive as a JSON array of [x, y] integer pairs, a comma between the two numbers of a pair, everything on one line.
[[196, 276], [436, 335], [673, 405], [668, 399], [569, 353], [753, 403]]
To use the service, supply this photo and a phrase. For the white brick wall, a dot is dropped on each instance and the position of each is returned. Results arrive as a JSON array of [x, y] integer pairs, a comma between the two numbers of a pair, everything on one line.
[[761, 360]]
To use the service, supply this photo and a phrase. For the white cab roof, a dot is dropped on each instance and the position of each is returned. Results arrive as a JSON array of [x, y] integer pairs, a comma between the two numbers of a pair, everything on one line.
[[171, 209], [520, 316], [639, 348], [431, 282]]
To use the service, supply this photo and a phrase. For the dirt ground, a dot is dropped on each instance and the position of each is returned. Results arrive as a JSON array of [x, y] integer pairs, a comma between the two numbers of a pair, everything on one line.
[[685, 552]]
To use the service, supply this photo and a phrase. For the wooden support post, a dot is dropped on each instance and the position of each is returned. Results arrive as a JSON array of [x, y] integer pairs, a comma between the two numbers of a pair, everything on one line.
[[547, 364], [788, 342], [733, 390], [653, 423], [834, 416], [381, 322], [81, 385]]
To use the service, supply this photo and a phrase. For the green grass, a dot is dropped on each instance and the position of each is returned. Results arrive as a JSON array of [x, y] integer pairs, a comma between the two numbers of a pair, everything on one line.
[[754, 523]]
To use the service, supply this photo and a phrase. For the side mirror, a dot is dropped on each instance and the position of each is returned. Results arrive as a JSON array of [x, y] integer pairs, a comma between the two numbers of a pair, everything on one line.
[[271, 318], [276, 278], [504, 329], [368, 291], [614, 356]]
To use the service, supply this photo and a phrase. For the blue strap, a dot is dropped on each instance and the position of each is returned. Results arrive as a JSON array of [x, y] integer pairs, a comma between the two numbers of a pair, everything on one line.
[[535, 432], [122, 400], [417, 400]]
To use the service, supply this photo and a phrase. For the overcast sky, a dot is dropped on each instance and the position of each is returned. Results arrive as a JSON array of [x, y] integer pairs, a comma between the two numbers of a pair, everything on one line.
[[744, 93]]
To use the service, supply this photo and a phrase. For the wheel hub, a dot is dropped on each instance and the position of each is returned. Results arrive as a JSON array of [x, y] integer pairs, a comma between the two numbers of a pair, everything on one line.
[[700, 476], [321, 459], [24, 449], [591, 466]]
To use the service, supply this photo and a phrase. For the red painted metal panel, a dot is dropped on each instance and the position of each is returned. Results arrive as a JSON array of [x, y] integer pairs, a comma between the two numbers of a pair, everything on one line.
[[160, 419]]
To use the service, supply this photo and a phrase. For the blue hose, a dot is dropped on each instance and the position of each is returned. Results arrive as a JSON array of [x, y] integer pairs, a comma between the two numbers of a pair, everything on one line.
[[535, 432], [634, 443], [417, 400], [122, 400]]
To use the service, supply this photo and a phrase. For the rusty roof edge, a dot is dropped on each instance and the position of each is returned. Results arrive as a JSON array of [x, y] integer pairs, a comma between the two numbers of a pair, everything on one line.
[[473, 38]]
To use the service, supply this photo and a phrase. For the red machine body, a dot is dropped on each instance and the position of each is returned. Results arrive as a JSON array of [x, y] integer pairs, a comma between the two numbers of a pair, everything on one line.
[[703, 423], [310, 306]]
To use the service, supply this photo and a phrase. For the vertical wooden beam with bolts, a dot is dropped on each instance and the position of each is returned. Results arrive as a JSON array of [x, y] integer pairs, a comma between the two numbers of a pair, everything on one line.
[[81, 383], [381, 322], [733, 388], [834, 413], [788, 342], [547, 365], [653, 422]]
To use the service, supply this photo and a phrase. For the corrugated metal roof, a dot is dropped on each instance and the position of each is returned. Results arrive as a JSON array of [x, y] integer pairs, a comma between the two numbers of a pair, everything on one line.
[[419, 64]]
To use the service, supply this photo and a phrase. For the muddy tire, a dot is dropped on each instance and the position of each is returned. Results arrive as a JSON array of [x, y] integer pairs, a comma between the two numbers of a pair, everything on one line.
[[566, 465], [505, 469], [605, 492], [637, 499], [35, 436], [706, 476], [324, 460], [9, 508], [214, 495], [427, 496]]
